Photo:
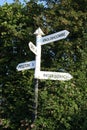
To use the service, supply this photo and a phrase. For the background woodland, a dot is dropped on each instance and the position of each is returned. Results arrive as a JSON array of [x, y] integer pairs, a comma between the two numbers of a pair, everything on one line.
[[62, 105]]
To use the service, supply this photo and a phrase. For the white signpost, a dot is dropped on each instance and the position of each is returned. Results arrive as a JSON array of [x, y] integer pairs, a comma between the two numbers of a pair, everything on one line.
[[36, 64], [44, 74], [26, 65], [54, 37]]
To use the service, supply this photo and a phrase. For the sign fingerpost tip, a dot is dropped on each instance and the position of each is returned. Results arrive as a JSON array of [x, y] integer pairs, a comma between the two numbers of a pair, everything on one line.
[[39, 32]]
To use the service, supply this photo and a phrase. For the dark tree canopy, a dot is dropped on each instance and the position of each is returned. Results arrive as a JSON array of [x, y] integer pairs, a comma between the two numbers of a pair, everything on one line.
[[61, 105]]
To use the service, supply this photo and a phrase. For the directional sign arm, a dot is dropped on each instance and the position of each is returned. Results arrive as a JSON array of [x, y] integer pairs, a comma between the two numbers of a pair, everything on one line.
[[54, 75], [26, 65], [33, 48], [54, 37]]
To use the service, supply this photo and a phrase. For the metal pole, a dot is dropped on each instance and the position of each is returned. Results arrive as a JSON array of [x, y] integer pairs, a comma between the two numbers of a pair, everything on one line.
[[36, 98]]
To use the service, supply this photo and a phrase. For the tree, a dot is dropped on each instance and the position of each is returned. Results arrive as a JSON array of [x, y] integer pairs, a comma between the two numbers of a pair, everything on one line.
[[62, 105], [65, 106], [17, 25]]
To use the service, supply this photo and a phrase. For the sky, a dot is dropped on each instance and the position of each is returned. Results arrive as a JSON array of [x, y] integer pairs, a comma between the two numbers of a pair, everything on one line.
[[8, 1], [11, 1]]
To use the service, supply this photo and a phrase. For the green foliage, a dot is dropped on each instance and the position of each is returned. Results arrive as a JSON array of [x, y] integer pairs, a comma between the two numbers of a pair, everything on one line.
[[61, 105], [17, 87]]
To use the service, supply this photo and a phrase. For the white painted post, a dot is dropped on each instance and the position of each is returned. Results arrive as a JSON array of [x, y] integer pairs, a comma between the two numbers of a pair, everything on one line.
[[38, 34]]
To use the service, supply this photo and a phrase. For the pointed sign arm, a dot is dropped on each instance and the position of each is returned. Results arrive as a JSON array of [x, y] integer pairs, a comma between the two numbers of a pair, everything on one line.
[[54, 37], [32, 47]]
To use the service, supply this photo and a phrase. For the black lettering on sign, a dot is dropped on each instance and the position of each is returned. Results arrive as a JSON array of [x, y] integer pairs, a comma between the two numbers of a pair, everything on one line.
[[55, 76], [62, 34], [56, 36], [23, 66]]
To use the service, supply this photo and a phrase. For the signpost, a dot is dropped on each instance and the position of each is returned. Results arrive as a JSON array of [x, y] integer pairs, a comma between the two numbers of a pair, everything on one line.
[[36, 64], [26, 65], [38, 34]]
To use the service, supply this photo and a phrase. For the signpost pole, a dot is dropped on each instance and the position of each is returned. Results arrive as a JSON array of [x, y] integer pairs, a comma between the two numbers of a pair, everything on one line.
[[36, 98], [38, 34]]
